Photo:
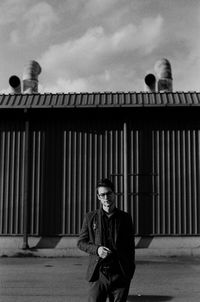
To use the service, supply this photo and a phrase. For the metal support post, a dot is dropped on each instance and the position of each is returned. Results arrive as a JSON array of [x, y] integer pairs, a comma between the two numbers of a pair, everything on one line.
[[26, 184], [125, 167]]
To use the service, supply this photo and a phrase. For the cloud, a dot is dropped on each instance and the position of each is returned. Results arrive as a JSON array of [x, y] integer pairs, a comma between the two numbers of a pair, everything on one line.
[[15, 37], [186, 66], [109, 80], [97, 7], [31, 21], [12, 10], [62, 85], [187, 69], [144, 37], [86, 84], [100, 44], [39, 19], [98, 50]]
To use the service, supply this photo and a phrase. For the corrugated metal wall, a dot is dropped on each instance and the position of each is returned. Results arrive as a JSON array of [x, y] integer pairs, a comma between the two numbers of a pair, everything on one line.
[[165, 181], [90, 152], [12, 153], [176, 161], [68, 156]]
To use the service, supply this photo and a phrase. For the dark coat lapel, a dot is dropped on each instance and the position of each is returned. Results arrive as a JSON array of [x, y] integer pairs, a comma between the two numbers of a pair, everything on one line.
[[117, 225], [99, 226]]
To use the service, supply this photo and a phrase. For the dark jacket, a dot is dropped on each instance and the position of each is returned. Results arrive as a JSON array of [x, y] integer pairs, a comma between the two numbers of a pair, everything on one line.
[[90, 239]]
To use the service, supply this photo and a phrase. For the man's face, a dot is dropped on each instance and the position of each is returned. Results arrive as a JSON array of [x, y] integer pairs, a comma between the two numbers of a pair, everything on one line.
[[107, 198]]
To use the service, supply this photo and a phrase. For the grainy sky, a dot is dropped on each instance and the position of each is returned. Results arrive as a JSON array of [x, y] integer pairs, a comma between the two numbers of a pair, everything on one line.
[[100, 45]]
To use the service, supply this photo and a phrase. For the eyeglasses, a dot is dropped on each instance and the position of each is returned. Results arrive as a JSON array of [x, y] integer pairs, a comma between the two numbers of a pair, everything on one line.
[[103, 195]]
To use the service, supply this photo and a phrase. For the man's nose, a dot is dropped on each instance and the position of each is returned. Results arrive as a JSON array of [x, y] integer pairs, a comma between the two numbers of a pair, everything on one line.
[[106, 197]]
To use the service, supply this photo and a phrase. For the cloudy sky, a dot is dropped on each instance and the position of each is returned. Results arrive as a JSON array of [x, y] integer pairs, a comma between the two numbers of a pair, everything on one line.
[[100, 45]]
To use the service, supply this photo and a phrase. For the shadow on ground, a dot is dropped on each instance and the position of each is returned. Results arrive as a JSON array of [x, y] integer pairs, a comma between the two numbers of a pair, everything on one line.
[[148, 298]]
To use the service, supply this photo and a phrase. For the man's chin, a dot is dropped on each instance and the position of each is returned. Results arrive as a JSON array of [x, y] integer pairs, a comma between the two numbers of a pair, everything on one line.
[[109, 208]]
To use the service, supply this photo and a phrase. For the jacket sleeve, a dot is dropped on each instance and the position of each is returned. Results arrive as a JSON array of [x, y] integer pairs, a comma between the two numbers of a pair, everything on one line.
[[85, 241]]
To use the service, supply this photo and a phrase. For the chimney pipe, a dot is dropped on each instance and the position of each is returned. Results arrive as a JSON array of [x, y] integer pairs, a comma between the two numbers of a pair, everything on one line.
[[164, 74], [149, 83], [15, 84], [30, 77]]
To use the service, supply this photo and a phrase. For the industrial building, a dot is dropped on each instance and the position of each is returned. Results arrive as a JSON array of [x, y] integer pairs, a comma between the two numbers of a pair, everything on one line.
[[54, 148]]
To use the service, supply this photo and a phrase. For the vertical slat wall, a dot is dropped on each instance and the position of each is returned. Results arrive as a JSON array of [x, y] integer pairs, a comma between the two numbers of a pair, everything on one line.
[[133, 155], [66, 160], [88, 155], [12, 151], [12, 156], [36, 180], [176, 161]]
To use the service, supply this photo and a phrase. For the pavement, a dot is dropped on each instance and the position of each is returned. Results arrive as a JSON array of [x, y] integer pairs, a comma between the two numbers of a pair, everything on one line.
[[157, 278]]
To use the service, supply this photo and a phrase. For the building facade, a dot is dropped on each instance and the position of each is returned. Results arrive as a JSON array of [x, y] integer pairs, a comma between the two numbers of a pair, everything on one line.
[[54, 148]]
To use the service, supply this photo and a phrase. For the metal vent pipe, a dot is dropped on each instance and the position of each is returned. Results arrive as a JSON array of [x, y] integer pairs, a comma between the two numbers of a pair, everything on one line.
[[150, 83], [30, 77], [15, 84], [164, 75]]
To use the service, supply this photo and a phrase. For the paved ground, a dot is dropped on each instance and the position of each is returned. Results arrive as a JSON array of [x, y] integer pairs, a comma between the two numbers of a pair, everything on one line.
[[156, 279]]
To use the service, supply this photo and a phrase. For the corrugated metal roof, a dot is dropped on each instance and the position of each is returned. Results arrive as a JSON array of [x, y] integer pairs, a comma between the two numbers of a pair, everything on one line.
[[99, 99]]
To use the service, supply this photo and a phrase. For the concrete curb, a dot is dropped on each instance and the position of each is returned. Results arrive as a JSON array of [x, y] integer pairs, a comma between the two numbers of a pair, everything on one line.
[[74, 252], [66, 246]]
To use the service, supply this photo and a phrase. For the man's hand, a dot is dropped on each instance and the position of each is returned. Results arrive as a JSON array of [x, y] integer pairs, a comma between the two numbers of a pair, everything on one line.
[[103, 252]]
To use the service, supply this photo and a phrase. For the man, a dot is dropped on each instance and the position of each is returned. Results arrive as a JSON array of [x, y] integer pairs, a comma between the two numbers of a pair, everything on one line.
[[107, 236]]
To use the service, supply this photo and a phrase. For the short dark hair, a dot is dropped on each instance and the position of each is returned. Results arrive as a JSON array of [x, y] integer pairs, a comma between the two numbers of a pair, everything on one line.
[[105, 182]]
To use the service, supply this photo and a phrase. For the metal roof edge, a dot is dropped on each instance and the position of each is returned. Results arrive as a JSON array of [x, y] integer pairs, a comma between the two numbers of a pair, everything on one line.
[[100, 100]]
